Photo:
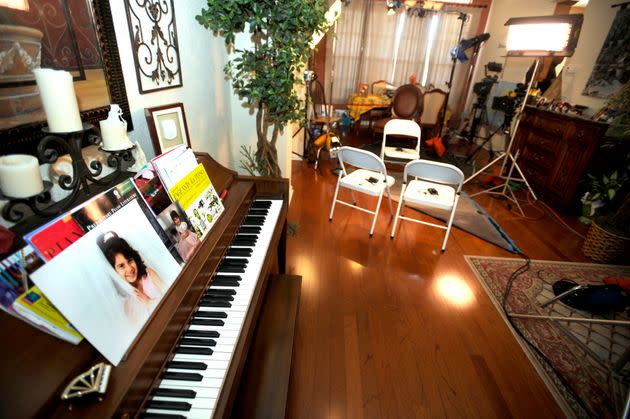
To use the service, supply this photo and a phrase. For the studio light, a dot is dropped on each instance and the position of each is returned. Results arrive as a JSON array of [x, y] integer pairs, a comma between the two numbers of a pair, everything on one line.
[[542, 36]]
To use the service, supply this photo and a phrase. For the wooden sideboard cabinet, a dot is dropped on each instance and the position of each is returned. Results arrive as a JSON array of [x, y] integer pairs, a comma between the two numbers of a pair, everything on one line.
[[555, 151]]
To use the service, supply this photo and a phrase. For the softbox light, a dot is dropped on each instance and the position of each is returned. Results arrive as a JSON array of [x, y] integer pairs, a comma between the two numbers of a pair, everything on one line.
[[543, 36]]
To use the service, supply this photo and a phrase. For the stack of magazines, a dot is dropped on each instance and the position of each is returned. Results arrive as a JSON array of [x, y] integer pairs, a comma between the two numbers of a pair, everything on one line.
[[100, 270]]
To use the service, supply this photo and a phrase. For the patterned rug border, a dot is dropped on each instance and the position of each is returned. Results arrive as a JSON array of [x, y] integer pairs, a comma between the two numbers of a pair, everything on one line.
[[568, 405]]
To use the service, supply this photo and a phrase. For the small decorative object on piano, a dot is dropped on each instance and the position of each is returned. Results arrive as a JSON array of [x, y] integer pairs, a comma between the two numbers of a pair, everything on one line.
[[114, 131], [93, 381]]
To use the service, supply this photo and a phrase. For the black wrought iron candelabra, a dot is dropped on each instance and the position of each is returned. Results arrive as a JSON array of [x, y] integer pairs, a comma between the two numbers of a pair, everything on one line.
[[84, 177]]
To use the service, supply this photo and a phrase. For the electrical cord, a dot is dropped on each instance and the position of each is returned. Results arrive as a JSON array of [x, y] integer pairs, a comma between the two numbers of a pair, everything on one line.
[[518, 272]]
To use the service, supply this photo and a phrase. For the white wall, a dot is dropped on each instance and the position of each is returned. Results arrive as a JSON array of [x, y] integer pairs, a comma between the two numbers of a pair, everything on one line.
[[217, 121], [598, 17], [205, 94]]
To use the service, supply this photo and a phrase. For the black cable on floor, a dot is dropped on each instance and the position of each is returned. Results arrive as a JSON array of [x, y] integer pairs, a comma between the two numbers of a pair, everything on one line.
[[518, 272]]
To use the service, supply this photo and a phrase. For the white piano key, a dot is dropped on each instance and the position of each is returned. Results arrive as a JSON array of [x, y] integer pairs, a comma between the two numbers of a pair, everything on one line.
[[212, 384], [219, 356], [214, 364], [196, 403], [192, 414]]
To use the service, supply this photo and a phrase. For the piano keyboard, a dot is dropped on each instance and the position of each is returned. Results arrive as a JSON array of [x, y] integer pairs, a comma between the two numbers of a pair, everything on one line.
[[193, 381]]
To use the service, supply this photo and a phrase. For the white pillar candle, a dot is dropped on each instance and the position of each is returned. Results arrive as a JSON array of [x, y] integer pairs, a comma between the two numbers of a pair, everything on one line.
[[20, 176], [56, 89]]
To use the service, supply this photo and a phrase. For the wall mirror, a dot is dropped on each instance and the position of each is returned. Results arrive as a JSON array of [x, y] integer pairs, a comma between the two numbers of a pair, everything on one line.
[[74, 35]]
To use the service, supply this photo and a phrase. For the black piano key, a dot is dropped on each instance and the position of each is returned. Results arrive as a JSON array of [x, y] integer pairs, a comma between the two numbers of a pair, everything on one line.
[[218, 297], [235, 262], [258, 212], [193, 350], [170, 405], [175, 393], [188, 365], [211, 314], [254, 220], [231, 269], [161, 416], [206, 322], [221, 291], [184, 376], [244, 243], [233, 251], [261, 204], [215, 303], [202, 333], [246, 237], [225, 284], [249, 230], [198, 342]]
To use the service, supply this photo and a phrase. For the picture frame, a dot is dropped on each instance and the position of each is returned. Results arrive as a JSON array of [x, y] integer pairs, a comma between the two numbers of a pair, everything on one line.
[[167, 126]]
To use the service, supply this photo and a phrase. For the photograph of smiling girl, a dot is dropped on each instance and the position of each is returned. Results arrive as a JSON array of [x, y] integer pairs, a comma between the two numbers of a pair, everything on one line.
[[109, 281]]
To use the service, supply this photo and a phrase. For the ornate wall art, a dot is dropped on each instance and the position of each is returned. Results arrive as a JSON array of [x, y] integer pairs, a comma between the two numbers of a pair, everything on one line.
[[154, 42]]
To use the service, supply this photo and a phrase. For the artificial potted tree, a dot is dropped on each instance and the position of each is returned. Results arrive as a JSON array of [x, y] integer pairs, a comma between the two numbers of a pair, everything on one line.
[[265, 75]]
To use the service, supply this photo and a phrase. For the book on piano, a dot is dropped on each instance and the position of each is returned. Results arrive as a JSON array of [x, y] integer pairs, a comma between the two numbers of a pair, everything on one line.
[[109, 281], [20, 298], [197, 196]]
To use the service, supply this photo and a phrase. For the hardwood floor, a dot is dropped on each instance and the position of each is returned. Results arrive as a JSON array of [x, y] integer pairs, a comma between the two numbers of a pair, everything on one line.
[[394, 328]]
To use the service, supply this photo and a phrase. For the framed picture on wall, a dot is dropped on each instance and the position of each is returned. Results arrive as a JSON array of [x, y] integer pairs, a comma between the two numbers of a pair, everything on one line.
[[167, 126]]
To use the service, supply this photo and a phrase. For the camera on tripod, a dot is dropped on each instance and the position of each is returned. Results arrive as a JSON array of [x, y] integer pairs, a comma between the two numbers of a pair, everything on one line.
[[508, 103], [482, 88]]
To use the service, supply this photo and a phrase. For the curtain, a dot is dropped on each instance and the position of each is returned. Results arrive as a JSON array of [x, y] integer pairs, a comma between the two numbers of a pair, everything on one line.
[[372, 45], [380, 45], [446, 37], [411, 53], [348, 50]]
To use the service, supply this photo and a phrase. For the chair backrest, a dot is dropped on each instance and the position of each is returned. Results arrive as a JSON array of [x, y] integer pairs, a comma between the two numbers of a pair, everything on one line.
[[407, 102], [433, 101], [406, 127], [318, 98], [380, 87], [434, 171], [360, 158]]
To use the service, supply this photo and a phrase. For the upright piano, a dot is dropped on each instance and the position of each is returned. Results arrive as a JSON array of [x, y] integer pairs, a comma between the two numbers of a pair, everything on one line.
[[35, 367]]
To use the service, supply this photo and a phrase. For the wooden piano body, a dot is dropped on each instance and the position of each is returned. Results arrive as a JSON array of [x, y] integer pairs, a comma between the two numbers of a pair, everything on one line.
[[35, 367]]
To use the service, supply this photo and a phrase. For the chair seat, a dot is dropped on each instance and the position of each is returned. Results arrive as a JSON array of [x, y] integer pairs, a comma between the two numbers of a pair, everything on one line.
[[402, 153], [358, 181], [417, 192]]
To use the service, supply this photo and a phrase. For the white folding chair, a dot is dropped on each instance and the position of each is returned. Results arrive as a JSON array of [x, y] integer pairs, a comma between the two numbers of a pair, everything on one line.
[[369, 178], [404, 127], [436, 185]]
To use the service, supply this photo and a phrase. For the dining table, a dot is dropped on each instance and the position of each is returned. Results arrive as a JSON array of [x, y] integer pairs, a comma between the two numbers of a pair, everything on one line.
[[359, 105]]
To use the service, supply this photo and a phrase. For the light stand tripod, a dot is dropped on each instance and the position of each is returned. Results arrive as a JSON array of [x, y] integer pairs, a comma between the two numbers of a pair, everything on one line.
[[510, 159]]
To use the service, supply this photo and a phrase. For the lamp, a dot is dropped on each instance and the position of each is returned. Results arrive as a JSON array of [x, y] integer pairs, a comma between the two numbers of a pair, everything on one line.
[[538, 36], [542, 36]]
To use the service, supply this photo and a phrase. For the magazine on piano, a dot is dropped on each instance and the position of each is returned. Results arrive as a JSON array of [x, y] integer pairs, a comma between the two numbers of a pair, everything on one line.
[[109, 282], [199, 199], [20, 298], [54, 237], [169, 215], [174, 165]]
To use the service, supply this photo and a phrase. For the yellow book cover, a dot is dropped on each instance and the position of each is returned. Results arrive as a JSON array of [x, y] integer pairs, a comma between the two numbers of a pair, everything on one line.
[[37, 308], [199, 199]]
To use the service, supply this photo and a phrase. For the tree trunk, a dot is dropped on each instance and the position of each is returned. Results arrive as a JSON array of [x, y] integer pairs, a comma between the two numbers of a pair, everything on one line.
[[266, 152]]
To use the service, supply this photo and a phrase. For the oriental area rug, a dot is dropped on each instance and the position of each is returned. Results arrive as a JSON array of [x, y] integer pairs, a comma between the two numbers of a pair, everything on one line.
[[584, 364]]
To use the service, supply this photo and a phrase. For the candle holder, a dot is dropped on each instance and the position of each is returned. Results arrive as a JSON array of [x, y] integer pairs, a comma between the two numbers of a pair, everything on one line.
[[83, 178], [35, 203]]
